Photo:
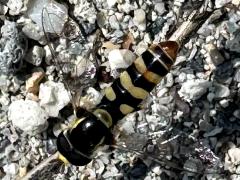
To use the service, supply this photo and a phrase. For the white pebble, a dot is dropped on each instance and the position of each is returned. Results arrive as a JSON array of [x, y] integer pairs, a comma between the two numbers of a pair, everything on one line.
[[234, 154], [111, 3], [28, 116], [221, 3], [15, 6], [140, 19], [160, 8], [224, 103], [11, 168], [53, 97], [157, 170], [212, 112], [194, 89], [120, 58]]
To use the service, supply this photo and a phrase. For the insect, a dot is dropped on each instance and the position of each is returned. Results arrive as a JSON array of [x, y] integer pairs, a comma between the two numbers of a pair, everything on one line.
[[122, 98]]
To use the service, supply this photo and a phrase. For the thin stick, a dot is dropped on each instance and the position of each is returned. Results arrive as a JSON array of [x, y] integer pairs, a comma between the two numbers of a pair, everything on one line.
[[39, 169]]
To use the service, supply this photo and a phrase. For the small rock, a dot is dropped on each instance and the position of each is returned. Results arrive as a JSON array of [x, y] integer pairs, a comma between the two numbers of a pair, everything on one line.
[[214, 132], [15, 7], [101, 19], [193, 165], [234, 154], [110, 45], [22, 171], [111, 3], [34, 32], [32, 84], [236, 62], [114, 22], [236, 2], [224, 103], [210, 96], [204, 125], [120, 58], [162, 91], [35, 55], [169, 80], [91, 99], [53, 97], [28, 116], [13, 48], [140, 19], [125, 7], [233, 44], [194, 89], [157, 170], [221, 3], [236, 113], [54, 15], [3, 11], [188, 124], [160, 8], [237, 76], [165, 100], [12, 154], [224, 71], [215, 55], [221, 91], [128, 40], [11, 168]]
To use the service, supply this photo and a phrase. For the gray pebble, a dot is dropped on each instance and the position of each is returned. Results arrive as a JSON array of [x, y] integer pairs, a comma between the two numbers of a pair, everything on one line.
[[160, 8], [114, 22], [236, 113], [194, 89], [213, 132], [35, 55], [215, 55], [237, 75], [221, 91]]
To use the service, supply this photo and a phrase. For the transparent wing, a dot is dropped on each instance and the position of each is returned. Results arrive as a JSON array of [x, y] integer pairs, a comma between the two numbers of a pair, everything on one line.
[[172, 149], [72, 54]]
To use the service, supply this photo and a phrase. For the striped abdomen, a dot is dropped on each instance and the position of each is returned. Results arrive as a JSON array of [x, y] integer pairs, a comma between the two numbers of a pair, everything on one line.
[[78, 144], [137, 81]]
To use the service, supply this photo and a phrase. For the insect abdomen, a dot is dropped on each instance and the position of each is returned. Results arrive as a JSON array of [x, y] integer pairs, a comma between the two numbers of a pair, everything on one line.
[[138, 80], [78, 143]]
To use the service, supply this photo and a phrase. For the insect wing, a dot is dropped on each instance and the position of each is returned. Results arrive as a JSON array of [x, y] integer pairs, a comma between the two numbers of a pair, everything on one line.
[[174, 149], [181, 151], [71, 55]]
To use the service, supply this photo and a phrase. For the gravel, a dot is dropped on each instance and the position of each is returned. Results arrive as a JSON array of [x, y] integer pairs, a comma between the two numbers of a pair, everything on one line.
[[188, 127]]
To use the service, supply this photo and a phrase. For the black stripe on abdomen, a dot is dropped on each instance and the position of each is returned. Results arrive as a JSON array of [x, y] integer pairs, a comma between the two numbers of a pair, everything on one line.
[[163, 57], [153, 64], [139, 80]]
